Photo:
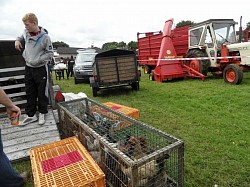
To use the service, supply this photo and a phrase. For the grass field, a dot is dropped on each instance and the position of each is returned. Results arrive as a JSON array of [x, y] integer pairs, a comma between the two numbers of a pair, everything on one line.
[[211, 117]]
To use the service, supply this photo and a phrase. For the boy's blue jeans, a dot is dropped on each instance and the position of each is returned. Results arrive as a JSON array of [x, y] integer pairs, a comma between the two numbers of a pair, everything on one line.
[[8, 176]]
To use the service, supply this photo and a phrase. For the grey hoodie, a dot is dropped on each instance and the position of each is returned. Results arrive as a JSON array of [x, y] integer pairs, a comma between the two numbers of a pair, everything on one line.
[[38, 49]]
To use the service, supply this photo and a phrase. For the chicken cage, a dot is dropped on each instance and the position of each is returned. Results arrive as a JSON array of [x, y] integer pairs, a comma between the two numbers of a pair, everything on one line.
[[130, 153], [65, 163]]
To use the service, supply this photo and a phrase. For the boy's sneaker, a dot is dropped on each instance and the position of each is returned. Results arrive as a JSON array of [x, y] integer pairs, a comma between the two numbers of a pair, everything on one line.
[[41, 120], [28, 120]]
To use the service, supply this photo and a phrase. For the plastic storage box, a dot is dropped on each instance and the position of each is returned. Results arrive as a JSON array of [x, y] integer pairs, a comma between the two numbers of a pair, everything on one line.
[[132, 112], [65, 163]]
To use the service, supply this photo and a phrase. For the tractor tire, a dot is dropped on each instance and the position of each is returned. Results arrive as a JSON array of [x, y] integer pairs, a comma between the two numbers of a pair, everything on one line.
[[151, 76], [233, 74], [198, 65], [147, 69]]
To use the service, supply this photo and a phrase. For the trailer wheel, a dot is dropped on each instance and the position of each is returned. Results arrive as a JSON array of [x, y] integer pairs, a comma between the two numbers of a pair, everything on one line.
[[198, 65], [135, 86], [232, 74], [94, 91]]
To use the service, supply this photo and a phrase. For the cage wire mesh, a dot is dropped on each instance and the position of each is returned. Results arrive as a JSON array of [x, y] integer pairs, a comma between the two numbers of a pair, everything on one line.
[[129, 152]]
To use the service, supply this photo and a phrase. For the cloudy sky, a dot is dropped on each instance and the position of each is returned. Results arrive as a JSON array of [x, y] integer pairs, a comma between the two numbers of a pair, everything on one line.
[[81, 23]]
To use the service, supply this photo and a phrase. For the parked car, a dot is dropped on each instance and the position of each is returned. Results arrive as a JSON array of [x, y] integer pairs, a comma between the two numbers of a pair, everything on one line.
[[83, 64]]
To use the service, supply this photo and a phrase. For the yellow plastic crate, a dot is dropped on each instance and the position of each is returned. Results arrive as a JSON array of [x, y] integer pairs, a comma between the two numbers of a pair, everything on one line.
[[132, 112], [65, 163]]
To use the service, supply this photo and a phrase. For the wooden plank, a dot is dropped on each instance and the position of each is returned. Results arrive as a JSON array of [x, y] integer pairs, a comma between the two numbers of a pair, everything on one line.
[[27, 145], [24, 153], [31, 129], [5, 123], [12, 69], [21, 140], [12, 77], [13, 86], [17, 94], [16, 103], [18, 140]]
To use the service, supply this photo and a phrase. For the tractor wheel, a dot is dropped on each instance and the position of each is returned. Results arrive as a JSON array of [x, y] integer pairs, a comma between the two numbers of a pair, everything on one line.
[[151, 76], [232, 74], [147, 69], [94, 91], [198, 65]]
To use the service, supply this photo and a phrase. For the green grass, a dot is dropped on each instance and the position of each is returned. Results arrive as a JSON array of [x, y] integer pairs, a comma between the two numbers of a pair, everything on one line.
[[211, 117]]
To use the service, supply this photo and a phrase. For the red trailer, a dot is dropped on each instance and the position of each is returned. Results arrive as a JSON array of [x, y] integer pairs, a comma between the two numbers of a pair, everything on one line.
[[149, 45], [153, 47]]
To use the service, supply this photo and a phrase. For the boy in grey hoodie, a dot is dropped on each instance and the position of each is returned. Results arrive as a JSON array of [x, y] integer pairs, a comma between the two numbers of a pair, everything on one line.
[[37, 53]]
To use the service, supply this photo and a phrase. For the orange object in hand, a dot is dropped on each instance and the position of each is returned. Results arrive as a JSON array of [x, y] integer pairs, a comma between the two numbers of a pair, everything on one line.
[[14, 119]]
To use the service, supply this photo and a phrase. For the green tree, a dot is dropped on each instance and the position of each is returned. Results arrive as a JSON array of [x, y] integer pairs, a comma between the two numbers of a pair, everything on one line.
[[132, 45], [109, 46], [59, 44], [122, 45], [184, 23]]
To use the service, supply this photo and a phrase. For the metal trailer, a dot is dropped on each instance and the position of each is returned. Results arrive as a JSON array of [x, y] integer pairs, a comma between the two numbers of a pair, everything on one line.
[[12, 73], [115, 68], [18, 140]]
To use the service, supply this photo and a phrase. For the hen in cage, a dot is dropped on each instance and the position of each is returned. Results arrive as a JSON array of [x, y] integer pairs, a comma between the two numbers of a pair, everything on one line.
[[93, 148], [104, 126], [151, 173]]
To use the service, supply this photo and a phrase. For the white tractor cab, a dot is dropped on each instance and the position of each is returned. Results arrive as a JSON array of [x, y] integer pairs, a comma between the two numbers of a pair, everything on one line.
[[213, 43], [83, 64]]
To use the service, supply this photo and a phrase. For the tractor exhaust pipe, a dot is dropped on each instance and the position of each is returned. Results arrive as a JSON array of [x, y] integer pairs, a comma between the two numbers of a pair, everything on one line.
[[240, 30]]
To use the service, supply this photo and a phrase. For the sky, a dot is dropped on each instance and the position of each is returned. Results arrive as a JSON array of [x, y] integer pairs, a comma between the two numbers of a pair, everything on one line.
[[82, 23]]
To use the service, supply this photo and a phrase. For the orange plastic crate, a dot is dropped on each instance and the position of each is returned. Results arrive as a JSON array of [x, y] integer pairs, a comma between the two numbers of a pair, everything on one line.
[[65, 163], [132, 112]]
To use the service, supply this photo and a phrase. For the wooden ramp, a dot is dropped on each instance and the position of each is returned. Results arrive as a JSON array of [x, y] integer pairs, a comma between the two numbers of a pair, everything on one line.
[[17, 140]]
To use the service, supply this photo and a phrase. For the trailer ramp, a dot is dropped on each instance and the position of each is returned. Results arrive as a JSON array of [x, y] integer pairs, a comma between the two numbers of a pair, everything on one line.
[[18, 140]]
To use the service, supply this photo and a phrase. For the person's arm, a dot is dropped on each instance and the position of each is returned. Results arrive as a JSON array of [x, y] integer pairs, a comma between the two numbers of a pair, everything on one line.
[[18, 43], [5, 100], [48, 51]]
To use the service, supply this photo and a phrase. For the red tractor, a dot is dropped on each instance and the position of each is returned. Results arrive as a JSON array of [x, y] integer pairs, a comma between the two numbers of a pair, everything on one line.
[[193, 51]]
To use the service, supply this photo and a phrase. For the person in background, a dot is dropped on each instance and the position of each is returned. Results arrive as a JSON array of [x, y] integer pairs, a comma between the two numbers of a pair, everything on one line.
[[62, 60], [71, 63], [37, 53], [8, 176]]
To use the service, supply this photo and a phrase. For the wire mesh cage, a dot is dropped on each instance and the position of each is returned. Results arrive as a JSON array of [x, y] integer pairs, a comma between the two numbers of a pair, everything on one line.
[[130, 153]]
